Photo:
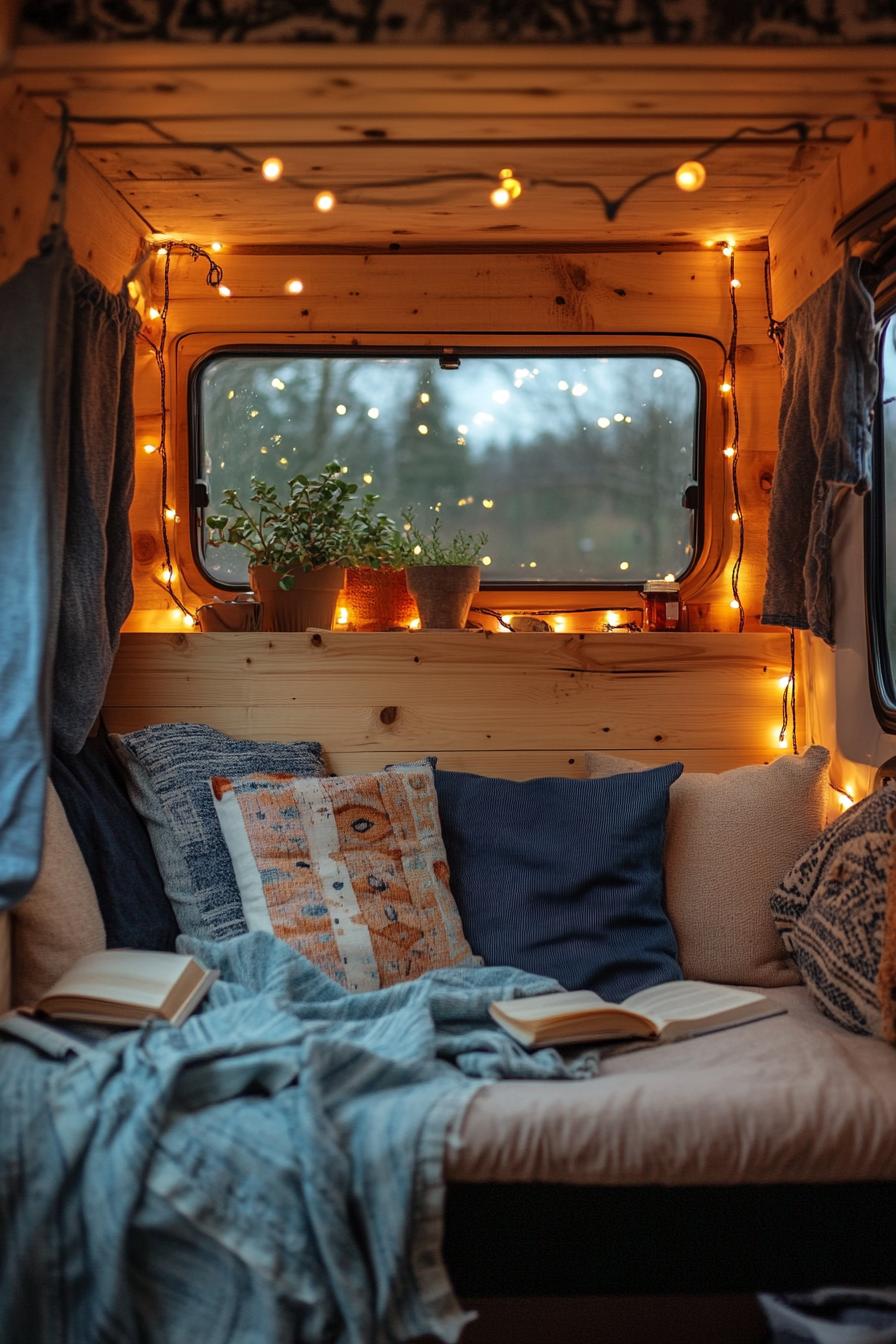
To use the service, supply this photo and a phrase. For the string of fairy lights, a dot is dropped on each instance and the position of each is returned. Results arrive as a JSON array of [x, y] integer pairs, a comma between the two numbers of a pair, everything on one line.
[[505, 188]]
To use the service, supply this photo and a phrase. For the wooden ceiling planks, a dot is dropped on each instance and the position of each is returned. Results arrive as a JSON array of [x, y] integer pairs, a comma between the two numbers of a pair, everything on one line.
[[180, 132]]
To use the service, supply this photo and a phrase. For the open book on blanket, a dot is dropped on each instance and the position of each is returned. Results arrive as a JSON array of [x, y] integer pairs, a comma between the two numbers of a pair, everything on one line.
[[121, 988], [667, 1012]]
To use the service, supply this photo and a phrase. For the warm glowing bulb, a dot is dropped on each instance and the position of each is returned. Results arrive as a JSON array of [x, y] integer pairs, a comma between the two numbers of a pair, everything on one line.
[[170, 515], [735, 517], [500, 197], [488, 503], [272, 168], [216, 247], [422, 429], [162, 252], [559, 624], [486, 560], [417, 550], [734, 604], [728, 452], [690, 176], [342, 616], [324, 201], [612, 618], [424, 397], [167, 575], [725, 387], [340, 409], [414, 624], [670, 578], [780, 740], [279, 384], [149, 448], [783, 682], [735, 283], [727, 250], [505, 172], [294, 287], [512, 187], [224, 291], [154, 313], [188, 620]]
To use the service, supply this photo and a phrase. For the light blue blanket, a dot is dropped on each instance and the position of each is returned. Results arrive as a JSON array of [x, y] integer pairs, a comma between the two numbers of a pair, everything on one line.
[[271, 1172]]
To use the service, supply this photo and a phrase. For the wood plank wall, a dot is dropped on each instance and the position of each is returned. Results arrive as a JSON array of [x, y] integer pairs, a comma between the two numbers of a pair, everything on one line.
[[517, 706], [490, 298]]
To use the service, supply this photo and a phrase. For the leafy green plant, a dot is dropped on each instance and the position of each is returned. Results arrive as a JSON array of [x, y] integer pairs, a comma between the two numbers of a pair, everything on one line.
[[313, 527], [416, 548]]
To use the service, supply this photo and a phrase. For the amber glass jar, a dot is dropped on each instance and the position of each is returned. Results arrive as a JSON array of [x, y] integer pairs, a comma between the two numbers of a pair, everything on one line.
[[662, 608]]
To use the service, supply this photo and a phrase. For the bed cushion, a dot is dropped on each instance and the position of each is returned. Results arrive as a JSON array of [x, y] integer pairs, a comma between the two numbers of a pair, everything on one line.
[[59, 920], [350, 871], [116, 848], [792, 1098], [730, 838], [168, 767], [563, 877], [832, 912]]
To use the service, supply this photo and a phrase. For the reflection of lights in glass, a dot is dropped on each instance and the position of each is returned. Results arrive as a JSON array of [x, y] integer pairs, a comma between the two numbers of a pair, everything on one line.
[[670, 578], [628, 419], [624, 564], [417, 550], [501, 396], [619, 417], [603, 422], [579, 389], [486, 560], [532, 564], [424, 397], [340, 409], [563, 385], [488, 503], [278, 383], [463, 429], [373, 413], [422, 429], [367, 478], [657, 373], [284, 461], [230, 395], [483, 418]]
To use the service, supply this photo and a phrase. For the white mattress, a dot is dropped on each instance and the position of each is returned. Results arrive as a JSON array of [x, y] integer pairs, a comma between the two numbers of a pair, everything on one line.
[[792, 1098]]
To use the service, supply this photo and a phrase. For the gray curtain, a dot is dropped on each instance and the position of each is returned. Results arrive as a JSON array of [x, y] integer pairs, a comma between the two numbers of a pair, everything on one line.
[[66, 466]]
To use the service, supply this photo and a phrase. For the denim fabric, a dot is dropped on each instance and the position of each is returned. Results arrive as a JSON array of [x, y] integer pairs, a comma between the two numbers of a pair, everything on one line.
[[168, 767], [286, 1143]]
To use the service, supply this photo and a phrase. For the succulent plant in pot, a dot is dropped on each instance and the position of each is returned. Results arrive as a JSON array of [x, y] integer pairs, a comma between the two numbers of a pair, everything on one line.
[[442, 576], [298, 547]]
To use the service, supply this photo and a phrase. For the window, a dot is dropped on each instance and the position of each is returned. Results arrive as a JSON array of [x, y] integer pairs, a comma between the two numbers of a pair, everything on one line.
[[881, 532], [575, 465]]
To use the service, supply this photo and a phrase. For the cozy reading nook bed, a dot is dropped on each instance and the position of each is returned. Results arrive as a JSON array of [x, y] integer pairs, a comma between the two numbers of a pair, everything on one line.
[[594, 785]]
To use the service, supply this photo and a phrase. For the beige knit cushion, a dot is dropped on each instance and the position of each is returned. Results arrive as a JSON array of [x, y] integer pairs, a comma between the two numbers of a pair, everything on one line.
[[59, 920], [730, 839]]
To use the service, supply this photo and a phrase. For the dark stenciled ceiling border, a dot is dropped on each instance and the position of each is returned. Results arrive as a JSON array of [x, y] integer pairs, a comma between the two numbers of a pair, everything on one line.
[[607, 22]]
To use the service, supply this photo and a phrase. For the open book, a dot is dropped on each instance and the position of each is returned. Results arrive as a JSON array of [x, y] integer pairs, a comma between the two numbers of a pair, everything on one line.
[[122, 988], [666, 1012]]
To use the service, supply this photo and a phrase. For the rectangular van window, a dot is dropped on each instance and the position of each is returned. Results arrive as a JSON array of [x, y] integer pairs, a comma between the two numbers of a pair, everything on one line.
[[575, 465], [881, 524]]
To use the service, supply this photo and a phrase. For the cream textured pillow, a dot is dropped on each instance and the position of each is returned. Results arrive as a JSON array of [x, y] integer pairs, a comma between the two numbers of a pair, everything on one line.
[[59, 920], [730, 839]]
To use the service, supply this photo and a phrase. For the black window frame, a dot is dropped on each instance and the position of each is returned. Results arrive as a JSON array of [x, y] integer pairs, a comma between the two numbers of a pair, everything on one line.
[[697, 509], [881, 678]]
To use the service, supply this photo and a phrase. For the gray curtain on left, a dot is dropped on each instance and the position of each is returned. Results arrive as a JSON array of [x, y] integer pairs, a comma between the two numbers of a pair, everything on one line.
[[66, 467]]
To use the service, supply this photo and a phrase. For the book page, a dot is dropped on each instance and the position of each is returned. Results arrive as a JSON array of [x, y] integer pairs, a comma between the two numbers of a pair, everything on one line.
[[544, 1007], [144, 979], [689, 1000]]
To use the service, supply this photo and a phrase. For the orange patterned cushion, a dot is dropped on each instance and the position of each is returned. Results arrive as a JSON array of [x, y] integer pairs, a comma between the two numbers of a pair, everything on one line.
[[349, 871]]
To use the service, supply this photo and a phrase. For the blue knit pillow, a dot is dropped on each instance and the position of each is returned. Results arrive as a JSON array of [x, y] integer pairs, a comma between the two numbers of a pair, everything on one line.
[[167, 769], [563, 877]]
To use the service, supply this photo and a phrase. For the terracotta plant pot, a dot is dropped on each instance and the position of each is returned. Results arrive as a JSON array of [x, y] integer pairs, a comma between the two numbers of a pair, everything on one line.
[[378, 599], [310, 602], [443, 594]]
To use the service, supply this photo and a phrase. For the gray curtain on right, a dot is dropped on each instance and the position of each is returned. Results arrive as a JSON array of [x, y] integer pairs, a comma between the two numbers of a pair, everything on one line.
[[824, 443]]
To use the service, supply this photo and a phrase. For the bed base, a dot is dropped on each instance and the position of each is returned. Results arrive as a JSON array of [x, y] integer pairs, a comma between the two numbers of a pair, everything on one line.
[[522, 1240]]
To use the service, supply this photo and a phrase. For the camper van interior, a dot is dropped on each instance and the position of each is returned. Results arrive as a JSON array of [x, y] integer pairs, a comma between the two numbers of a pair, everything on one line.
[[448, 522]]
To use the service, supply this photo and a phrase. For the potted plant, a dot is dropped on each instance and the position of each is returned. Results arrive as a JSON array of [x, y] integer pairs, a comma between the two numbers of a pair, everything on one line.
[[298, 548], [442, 576]]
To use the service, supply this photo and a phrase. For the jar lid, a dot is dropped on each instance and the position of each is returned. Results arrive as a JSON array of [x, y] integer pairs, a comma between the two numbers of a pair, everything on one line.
[[660, 586]]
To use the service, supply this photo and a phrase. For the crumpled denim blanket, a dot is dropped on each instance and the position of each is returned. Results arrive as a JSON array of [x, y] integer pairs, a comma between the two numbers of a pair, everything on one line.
[[270, 1172]]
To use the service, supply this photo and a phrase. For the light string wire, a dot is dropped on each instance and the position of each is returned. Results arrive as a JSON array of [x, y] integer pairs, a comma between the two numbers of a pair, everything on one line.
[[213, 278], [611, 207], [735, 443], [777, 332], [505, 623]]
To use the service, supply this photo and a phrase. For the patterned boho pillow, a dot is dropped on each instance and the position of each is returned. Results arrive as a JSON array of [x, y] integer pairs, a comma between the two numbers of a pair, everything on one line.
[[350, 871], [832, 911]]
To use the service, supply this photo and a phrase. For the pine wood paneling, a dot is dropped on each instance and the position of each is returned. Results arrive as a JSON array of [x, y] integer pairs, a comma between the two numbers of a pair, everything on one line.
[[467, 694]]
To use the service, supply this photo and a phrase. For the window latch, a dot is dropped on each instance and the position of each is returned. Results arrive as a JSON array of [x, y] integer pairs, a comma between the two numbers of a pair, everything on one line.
[[201, 499], [691, 498]]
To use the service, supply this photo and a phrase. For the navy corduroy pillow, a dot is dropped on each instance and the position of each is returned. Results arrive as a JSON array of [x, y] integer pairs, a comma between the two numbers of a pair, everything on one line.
[[563, 877]]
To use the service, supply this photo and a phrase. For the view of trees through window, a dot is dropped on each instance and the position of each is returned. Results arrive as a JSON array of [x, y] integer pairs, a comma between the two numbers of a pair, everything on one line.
[[888, 431], [574, 465]]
